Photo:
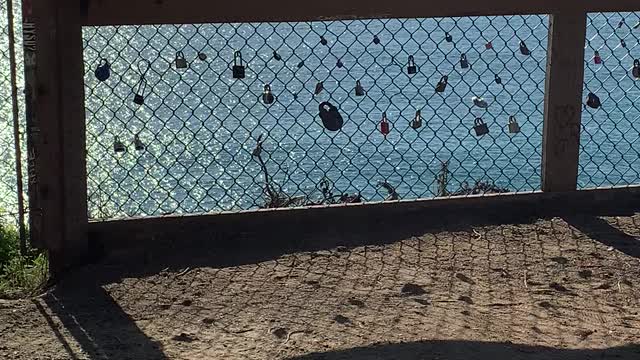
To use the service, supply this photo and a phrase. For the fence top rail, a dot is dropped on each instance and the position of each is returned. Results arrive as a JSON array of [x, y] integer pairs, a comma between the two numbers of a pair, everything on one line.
[[131, 12]]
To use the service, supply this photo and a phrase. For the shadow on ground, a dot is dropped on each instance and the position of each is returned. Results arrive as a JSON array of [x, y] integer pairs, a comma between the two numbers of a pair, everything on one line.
[[471, 350], [600, 230]]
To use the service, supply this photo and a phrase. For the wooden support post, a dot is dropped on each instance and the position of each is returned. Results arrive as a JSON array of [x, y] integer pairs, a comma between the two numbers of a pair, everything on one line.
[[60, 148], [563, 101]]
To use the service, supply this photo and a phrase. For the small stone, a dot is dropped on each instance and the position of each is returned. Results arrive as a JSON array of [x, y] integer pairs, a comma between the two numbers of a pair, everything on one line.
[[409, 289]]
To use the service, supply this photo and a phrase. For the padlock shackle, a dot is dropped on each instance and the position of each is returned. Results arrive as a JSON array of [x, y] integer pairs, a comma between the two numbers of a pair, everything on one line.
[[478, 121], [179, 55], [237, 57]]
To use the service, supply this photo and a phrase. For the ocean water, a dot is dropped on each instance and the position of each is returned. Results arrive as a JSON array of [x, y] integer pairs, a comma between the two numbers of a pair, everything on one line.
[[200, 125]]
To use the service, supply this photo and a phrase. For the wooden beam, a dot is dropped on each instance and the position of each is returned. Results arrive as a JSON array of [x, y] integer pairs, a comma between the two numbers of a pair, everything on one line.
[[563, 101], [123, 12]]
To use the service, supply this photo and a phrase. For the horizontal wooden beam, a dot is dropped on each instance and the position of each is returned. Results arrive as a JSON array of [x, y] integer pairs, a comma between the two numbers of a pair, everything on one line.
[[341, 219], [127, 12]]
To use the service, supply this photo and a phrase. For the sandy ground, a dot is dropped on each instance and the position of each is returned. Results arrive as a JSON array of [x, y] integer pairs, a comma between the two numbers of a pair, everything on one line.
[[546, 289]]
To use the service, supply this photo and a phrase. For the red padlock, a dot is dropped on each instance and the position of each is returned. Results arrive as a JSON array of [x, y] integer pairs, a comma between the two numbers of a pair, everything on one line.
[[384, 124], [596, 58], [489, 45]]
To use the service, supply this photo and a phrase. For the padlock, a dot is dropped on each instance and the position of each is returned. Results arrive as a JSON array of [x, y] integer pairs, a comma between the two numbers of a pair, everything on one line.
[[488, 45], [411, 67], [498, 80], [238, 68], [267, 95], [138, 99], [480, 127], [514, 127], [448, 37], [359, 89], [593, 101], [524, 50], [479, 102], [384, 124], [339, 64], [636, 69], [103, 71], [416, 123], [331, 118], [376, 39], [181, 62], [636, 25], [118, 146], [621, 23], [623, 43], [596, 58], [323, 41], [319, 88], [202, 56], [137, 143], [300, 64], [276, 56], [464, 63], [442, 84]]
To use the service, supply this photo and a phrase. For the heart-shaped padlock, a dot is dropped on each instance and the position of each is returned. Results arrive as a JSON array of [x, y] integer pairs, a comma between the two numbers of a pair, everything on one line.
[[103, 71], [636, 69], [593, 101], [331, 118]]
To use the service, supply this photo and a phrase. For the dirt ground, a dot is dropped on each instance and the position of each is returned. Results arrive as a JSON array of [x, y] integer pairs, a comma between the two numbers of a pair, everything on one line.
[[545, 289]]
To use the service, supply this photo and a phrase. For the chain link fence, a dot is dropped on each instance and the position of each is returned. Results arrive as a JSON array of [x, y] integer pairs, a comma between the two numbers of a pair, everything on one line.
[[226, 117], [205, 141], [9, 202], [610, 137]]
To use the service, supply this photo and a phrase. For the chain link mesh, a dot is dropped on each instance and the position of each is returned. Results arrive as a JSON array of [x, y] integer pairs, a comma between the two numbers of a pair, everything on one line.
[[200, 126], [610, 137], [8, 178]]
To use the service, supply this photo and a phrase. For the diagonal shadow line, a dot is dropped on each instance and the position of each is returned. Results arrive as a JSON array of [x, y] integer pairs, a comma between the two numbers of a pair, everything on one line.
[[98, 323], [55, 330], [600, 230]]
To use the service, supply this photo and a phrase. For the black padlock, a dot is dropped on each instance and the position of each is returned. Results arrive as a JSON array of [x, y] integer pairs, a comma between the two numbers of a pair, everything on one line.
[[118, 146], [181, 62], [636, 69], [448, 37], [300, 64], [319, 88], [331, 118], [442, 84], [621, 23], [416, 123], [480, 127], [238, 67], [138, 99], [411, 67], [202, 56], [267, 95], [498, 80], [276, 56], [376, 39], [593, 101], [524, 50], [323, 41], [103, 71], [514, 127], [623, 43], [137, 143], [359, 89], [464, 63], [339, 64]]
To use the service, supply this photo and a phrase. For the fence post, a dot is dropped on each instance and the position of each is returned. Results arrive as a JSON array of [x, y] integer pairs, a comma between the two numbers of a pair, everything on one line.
[[60, 147], [563, 101]]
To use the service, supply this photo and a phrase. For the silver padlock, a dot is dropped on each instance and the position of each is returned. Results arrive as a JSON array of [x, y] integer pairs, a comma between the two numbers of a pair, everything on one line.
[[480, 127], [514, 127], [181, 62], [416, 123]]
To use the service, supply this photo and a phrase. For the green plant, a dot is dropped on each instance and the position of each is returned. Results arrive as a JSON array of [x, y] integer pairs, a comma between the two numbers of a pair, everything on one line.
[[19, 275], [9, 245]]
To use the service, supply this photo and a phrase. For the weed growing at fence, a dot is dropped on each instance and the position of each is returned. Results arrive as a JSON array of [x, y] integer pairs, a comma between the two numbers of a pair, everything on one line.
[[20, 276]]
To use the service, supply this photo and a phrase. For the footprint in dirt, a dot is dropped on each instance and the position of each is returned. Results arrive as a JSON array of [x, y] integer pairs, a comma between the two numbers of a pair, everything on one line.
[[183, 337], [280, 333], [410, 289], [356, 302]]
